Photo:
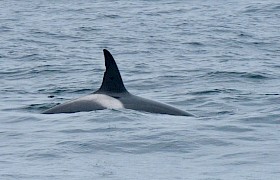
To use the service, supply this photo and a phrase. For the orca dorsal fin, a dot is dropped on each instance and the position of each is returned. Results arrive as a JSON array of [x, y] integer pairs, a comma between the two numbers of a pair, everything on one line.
[[112, 80]]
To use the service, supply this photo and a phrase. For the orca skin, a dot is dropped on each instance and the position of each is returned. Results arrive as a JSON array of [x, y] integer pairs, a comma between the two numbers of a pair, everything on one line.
[[113, 95]]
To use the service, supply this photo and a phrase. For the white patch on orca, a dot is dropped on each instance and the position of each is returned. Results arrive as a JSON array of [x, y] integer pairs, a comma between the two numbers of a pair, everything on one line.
[[104, 100]]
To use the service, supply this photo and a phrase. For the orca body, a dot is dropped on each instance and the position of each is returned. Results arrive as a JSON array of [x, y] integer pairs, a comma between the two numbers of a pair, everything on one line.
[[113, 95]]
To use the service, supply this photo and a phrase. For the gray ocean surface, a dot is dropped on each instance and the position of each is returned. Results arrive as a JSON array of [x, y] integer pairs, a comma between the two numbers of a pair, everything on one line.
[[217, 59]]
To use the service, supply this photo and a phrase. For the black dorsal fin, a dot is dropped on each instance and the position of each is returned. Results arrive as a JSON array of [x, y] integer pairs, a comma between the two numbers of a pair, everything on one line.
[[112, 80]]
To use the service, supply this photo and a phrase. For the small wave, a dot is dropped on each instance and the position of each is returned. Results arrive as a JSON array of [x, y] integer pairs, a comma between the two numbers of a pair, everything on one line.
[[225, 113], [88, 29], [110, 16], [272, 94], [251, 9], [261, 8], [58, 35], [214, 141], [84, 90], [32, 56], [254, 76], [33, 72], [22, 119], [245, 35], [194, 43], [139, 147], [43, 155], [40, 42], [233, 129], [36, 108], [277, 7], [97, 130], [214, 91], [220, 74], [269, 119], [5, 29], [63, 90]]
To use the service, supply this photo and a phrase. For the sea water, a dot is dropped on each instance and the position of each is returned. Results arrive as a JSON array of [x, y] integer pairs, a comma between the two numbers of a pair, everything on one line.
[[219, 60]]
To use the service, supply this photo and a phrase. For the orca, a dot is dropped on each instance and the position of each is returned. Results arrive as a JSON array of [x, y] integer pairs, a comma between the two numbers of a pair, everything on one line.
[[113, 95]]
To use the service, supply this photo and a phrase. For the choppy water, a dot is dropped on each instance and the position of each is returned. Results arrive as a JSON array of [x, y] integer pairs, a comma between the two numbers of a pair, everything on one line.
[[218, 59]]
